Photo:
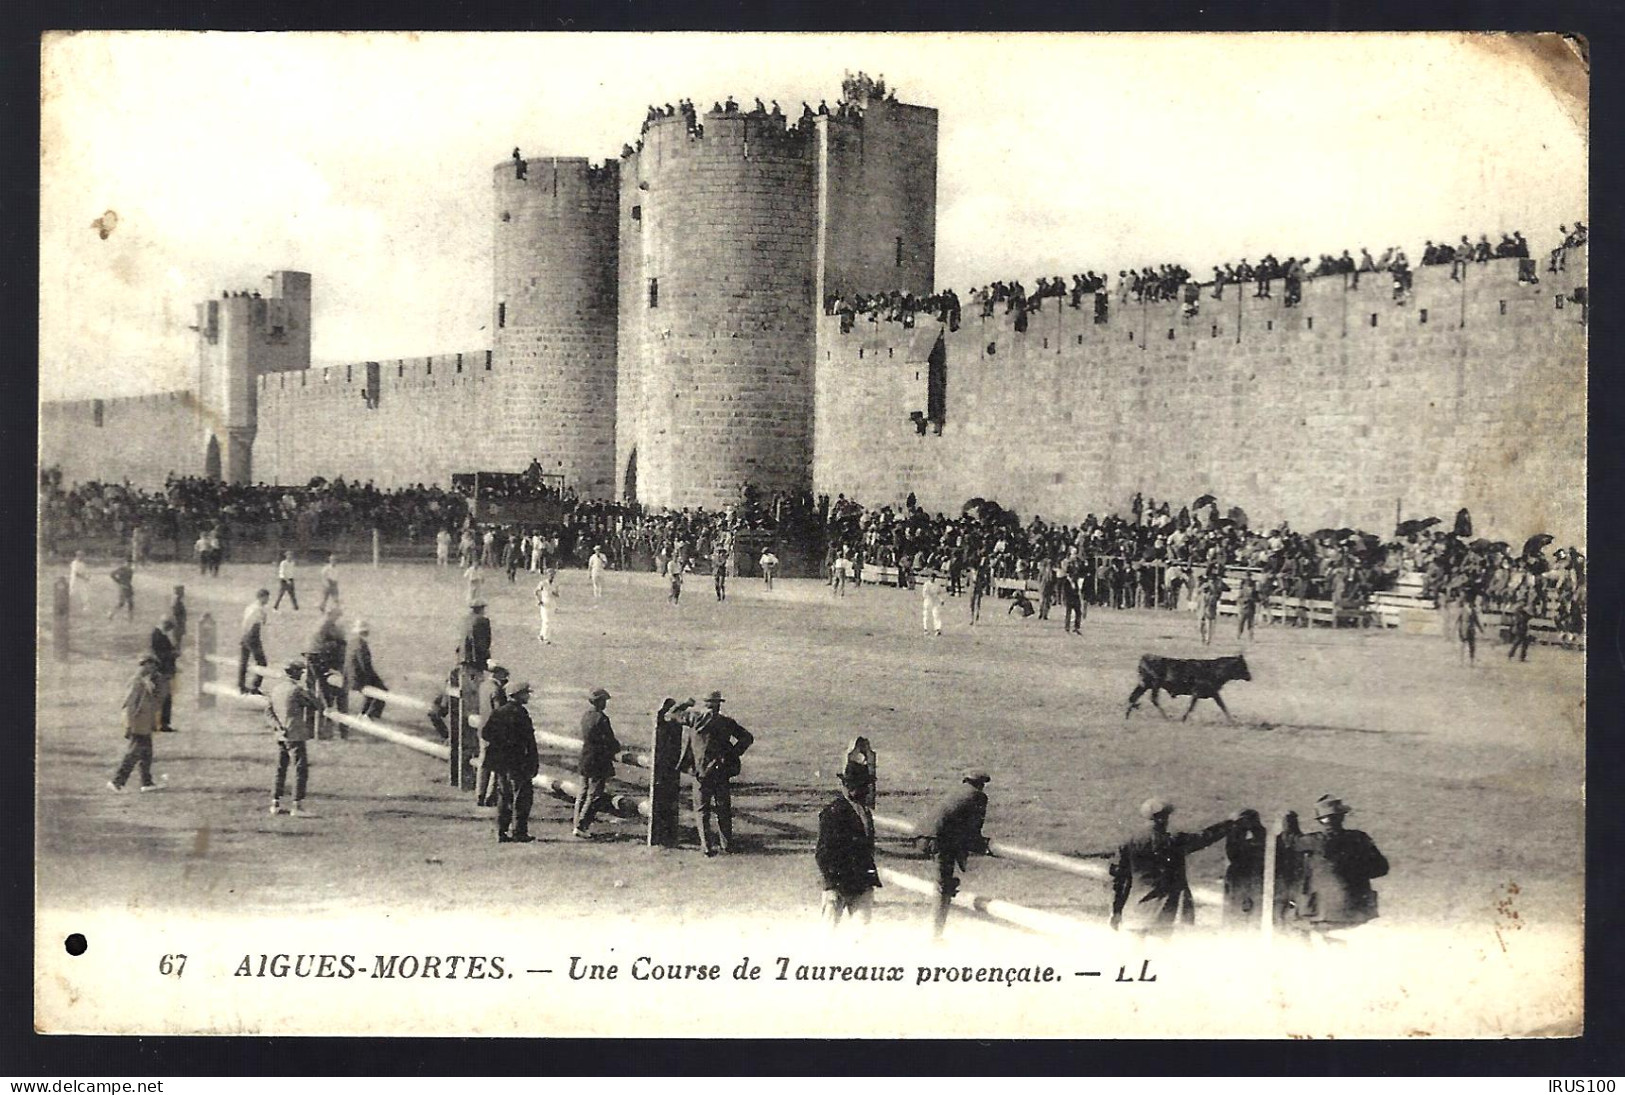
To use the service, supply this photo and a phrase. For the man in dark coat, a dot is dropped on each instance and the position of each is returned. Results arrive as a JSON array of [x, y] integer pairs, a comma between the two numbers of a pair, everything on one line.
[[360, 673], [1330, 871], [1150, 868], [599, 748], [846, 851], [164, 646], [955, 831], [712, 746], [510, 742], [475, 649]]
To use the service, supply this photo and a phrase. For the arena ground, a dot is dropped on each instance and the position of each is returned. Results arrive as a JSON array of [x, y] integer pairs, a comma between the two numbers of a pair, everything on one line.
[[1469, 779]]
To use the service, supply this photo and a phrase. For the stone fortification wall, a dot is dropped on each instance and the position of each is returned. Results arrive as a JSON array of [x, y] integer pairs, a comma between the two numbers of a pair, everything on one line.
[[431, 417], [877, 196], [143, 439], [1330, 413], [719, 311], [554, 314]]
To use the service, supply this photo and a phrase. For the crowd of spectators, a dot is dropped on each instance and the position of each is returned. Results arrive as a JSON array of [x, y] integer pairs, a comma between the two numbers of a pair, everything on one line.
[[857, 92], [1154, 557], [1157, 557], [1173, 282]]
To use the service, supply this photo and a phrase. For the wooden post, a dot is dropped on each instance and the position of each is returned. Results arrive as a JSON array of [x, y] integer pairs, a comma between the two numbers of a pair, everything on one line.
[[455, 724], [665, 784], [205, 661], [462, 773], [1272, 834], [377, 553], [60, 606]]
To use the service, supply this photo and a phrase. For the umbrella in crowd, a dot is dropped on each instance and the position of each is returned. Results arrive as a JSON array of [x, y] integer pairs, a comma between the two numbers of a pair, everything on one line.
[[1535, 544], [1205, 500], [1414, 526]]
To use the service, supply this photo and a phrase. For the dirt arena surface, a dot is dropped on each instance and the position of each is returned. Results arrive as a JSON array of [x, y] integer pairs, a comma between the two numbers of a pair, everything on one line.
[[1469, 779]]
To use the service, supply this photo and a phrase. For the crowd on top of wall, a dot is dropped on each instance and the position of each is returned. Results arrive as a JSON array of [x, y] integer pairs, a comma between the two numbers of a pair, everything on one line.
[[1173, 282], [857, 91]]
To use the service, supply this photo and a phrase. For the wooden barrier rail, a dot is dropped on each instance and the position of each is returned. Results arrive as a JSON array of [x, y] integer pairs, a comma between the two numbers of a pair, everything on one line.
[[553, 783], [1037, 857], [1009, 912], [230, 692], [395, 697], [625, 756]]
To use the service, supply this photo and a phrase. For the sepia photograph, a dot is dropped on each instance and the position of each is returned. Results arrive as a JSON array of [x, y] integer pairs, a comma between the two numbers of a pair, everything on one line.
[[563, 535]]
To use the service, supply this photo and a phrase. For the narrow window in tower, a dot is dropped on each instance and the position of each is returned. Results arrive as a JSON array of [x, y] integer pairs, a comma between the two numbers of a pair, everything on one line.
[[899, 250], [96, 410], [654, 292], [502, 313], [488, 361], [637, 212], [1503, 307], [1422, 315], [347, 374]]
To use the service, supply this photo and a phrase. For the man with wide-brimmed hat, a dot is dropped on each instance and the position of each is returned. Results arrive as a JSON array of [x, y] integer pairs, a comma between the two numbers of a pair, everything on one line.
[[1150, 870], [142, 708], [1330, 871], [599, 748], [292, 715], [361, 673], [846, 850], [712, 746]]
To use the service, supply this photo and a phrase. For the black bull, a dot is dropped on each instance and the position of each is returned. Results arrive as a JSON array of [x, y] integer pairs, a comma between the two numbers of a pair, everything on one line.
[[1198, 678]]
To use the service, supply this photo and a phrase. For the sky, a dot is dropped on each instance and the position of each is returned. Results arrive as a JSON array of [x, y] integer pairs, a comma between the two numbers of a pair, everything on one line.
[[365, 159]]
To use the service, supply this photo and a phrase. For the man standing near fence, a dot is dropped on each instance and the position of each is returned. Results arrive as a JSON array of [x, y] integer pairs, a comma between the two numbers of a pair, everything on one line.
[[491, 694], [846, 851], [712, 747], [292, 715], [360, 673], [955, 832], [510, 739], [252, 642], [143, 704], [1150, 870], [596, 764]]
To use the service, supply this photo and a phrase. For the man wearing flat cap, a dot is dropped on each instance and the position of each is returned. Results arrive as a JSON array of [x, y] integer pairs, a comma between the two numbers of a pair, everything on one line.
[[143, 705], [846, 850], [599, 748], [1150, 891], [359, 671], [1330, 871], [955, 831], [510, 742], [712, 746]]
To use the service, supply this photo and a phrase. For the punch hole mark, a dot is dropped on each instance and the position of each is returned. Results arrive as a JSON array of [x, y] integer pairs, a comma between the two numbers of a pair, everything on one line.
[[75, 944]]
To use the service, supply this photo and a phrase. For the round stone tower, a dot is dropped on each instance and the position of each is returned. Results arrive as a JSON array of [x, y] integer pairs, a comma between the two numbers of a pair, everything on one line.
[[554, 318], [719, 302]]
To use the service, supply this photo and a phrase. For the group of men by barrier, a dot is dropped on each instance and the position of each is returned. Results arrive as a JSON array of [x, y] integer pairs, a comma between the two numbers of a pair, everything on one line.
[[1319, 881]]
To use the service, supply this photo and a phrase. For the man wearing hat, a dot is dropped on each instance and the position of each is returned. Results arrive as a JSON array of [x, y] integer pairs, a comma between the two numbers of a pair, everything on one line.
[[490, 694], [599, 749], [954, 830], [143, 704], [165, 647], [1330, 871], [292, 715], [324, 655], [177, 612], [596, 562], [251, 642], [510, 742], [475, 649], [1150, 891], [846, 850], [712, 746], [360, 673]]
